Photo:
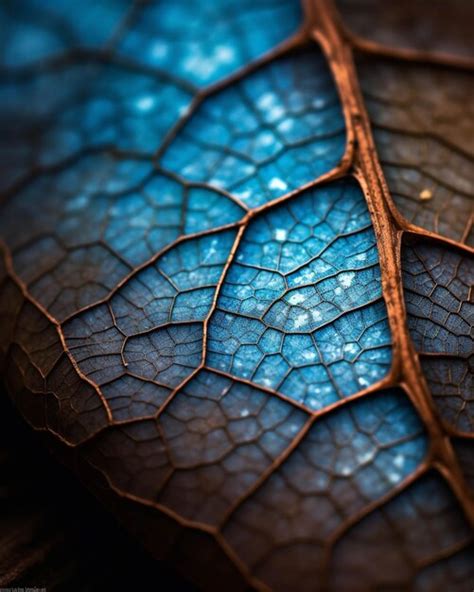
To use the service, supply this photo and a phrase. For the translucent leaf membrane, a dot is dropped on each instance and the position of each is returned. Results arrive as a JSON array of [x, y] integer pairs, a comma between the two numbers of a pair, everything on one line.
[[295, 314], [425, 25], [208, 448], [344, 463], [34, 30], [270, 133], [56, 112], [192, 293], [424, 132], [50, 117], [415, 537], [178, 36], [173, 37], [136, 213], [42, 379], [152, 327], [438, 284]]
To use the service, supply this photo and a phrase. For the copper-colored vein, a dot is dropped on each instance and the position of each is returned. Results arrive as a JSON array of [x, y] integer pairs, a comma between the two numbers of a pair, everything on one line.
[[389, 230]]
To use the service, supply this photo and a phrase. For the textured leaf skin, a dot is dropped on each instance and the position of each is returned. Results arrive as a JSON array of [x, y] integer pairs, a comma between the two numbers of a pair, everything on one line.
[[438, 286], [426, 148], [430, 26], [202, 305]]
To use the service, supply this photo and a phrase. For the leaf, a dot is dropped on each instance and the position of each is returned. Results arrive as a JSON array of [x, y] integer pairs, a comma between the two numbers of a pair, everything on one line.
[[247, 329], [39, 31], [424, 131], [345, 462], [294, 314], [178, 39], [438, 283], [424, 522], [425, 25], [288, 132]]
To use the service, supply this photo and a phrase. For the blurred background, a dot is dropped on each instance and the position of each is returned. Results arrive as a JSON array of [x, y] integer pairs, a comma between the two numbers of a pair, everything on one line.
[[54, 534]]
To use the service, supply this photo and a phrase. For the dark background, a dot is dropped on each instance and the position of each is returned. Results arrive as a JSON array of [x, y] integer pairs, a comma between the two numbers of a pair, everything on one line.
[[54, 534]]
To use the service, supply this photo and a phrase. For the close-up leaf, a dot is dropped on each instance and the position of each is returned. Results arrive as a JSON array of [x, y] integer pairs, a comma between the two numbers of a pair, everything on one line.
[[236, 293]]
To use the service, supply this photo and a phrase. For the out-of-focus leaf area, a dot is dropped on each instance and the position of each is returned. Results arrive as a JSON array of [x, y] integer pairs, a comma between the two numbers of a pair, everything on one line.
[[44, 544]]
